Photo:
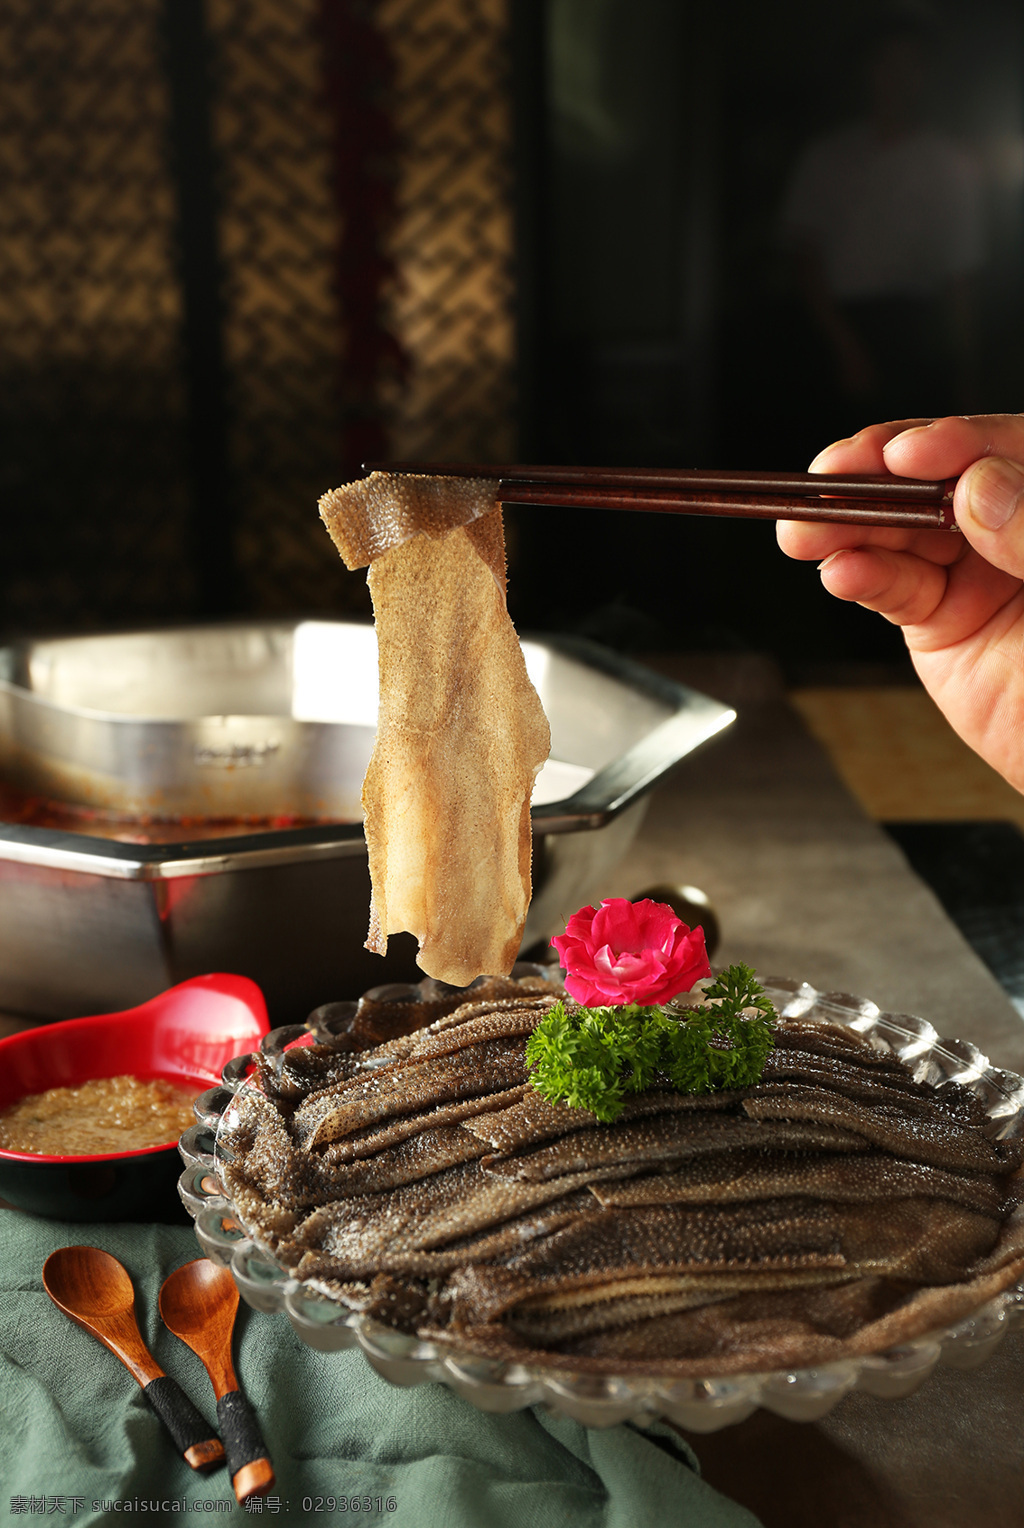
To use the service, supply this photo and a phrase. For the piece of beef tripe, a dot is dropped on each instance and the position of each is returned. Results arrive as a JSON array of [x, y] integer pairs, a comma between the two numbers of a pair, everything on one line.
[[461, 734]]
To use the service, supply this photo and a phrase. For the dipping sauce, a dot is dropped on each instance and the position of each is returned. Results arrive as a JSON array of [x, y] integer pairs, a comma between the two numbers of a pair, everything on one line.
[[106, 1114]]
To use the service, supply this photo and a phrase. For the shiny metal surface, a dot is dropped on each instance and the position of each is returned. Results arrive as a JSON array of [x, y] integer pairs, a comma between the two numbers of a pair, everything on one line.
[[217, 721], [278, 718], [90, 924]]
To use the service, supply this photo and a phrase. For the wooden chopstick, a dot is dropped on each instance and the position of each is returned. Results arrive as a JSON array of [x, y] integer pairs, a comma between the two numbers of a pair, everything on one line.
[[911, 503], [906, 513]]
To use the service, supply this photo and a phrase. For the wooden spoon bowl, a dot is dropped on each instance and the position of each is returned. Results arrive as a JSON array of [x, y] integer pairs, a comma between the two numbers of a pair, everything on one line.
[[198, 1303], [88, 1285]]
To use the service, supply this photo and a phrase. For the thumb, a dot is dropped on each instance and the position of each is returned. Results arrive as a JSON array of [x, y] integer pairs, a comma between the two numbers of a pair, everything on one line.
[[990, 511]]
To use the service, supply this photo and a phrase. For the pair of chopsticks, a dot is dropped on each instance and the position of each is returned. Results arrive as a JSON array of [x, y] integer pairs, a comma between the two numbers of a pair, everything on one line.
[[912, 503]]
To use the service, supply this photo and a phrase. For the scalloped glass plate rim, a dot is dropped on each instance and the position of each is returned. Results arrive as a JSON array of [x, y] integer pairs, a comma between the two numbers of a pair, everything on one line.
[[699, 1405]]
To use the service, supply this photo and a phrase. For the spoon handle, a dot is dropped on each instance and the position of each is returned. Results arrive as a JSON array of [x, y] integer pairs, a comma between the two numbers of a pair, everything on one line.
[[120, 1335], [188, 1427], [248, 1464]]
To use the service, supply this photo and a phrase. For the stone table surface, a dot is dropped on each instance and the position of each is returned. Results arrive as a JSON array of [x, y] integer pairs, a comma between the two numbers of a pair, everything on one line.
[[806, 885]]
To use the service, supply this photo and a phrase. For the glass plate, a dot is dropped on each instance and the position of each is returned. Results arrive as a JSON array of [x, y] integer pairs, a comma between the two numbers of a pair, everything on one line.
[[702, 1405]]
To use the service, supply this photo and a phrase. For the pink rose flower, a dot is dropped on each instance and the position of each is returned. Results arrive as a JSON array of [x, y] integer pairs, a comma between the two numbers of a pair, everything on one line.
[[629, 952]]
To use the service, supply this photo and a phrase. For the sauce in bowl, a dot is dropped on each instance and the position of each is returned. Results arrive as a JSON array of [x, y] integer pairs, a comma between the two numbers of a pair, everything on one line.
[[101, 1116]]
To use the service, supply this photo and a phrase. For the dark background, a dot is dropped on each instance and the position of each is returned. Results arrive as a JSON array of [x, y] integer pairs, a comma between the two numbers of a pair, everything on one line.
[[666, 323], [215, 302]]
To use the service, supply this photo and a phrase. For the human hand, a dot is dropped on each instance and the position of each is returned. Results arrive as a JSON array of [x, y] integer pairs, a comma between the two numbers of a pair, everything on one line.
[[958, 598]]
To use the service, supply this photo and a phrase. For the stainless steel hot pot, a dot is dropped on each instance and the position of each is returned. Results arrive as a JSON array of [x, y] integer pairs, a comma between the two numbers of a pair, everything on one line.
[[271, 719]]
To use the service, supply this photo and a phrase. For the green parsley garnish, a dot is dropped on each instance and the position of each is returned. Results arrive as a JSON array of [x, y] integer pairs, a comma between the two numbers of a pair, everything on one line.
[[592, 1058]]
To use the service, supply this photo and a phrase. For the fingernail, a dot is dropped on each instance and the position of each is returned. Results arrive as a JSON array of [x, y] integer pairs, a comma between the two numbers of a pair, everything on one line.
[[818, 463], [994, 491], [915, 429], [830, 559]]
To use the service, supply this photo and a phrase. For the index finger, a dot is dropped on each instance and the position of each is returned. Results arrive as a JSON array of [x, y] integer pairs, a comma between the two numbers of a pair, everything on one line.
[[925, 448], [864, 452], [946, 447]]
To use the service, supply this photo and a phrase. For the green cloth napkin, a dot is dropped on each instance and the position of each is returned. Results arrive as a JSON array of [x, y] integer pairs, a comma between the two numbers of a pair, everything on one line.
[[76, 1431]]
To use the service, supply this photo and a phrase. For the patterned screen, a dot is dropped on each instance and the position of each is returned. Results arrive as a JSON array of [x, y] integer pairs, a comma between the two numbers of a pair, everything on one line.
[[279, 229], [451, 307], [98, 523], [95, 487]]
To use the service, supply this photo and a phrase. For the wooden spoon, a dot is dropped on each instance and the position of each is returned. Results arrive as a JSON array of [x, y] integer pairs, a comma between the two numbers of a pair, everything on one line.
[[94, 1289], [198, 1304]]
